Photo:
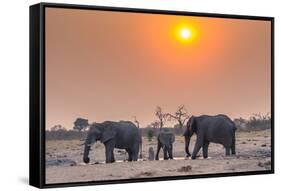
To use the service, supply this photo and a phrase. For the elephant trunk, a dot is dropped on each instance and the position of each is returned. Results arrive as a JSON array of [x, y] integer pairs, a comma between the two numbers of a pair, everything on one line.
[[140, 147], [87, 149], [187, 141], [86, 158]]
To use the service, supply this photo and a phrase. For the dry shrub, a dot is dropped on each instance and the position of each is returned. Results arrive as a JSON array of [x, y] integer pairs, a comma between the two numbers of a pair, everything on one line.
[[266, 164], [187, 168], [142, 174]]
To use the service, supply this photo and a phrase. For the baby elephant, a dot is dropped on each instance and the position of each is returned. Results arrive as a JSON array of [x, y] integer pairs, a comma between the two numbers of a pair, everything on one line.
[[165, 141]]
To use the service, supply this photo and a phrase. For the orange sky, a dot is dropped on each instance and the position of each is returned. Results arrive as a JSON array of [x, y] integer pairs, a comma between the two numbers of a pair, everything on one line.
[[112, 66]]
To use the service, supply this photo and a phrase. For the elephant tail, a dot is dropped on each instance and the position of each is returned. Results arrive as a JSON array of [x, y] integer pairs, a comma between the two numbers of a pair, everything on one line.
[[140, 147], [235, 127]]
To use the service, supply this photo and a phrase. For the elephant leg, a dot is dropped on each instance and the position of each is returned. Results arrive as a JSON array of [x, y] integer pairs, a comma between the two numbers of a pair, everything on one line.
[[170, 152], [165, 150], [134, 156], [112, 157], [130, 158], [109, 147], [157, 152], [233, 146], [108, 154], [196, 149], [205, 149], [135, 153], [187, 141], [227, 151]]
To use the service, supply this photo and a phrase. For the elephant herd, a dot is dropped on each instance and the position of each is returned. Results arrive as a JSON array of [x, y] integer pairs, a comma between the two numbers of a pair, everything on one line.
[[218, 129]]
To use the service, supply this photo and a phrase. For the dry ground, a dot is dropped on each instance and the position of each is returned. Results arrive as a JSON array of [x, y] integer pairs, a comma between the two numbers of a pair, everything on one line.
[[64, 160]]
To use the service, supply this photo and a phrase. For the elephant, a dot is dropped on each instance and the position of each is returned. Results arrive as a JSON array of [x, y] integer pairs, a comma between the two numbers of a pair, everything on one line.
[[165, 141], [210, 129], [121, 135]]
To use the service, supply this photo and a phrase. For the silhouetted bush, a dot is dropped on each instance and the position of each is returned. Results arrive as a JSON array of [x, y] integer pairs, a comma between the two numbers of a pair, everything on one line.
[[259, 122], [81, 124], [255, 122], [150, 134], [65, 135]]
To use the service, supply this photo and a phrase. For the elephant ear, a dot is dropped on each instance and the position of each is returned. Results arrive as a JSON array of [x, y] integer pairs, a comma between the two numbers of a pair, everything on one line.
[[193, 125], [108, 134]]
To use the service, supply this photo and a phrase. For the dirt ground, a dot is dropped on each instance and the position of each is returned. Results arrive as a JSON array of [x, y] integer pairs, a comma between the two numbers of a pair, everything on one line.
[[64, 160]]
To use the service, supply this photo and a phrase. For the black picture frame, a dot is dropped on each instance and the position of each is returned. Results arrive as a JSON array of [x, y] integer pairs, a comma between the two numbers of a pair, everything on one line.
[[37, 93]]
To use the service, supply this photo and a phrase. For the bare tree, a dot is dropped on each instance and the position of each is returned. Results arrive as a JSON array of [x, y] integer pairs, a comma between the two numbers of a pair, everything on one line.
[[180, 116], [261, 116], [259, 121], [138, 125], [240, 122], [136, 121], [162, 117], [155, 124]]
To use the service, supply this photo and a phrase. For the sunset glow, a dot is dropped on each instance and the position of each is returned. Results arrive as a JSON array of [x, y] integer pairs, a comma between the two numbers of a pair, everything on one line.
[[117, 66], [185, 32]]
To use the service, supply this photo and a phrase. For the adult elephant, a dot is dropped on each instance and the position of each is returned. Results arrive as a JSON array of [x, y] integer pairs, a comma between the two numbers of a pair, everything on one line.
[[210, 129], [165, 141], [121, 135]]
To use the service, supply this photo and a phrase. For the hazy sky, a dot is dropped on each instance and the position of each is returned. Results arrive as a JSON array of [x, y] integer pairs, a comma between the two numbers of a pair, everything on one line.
[[112, 66]]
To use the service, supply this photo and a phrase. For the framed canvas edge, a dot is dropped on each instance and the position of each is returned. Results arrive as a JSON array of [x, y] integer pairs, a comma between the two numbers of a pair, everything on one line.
[[35, 107], [39, 91]]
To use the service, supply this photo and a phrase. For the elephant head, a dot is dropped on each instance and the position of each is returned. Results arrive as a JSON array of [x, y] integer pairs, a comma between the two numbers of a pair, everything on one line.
[[191, 128], [97, 132]]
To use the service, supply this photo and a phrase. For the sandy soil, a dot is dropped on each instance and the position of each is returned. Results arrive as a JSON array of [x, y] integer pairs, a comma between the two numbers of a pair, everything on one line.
[[64, 160]]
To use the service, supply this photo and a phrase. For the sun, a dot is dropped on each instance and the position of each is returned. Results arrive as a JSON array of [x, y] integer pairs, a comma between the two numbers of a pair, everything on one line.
[[185, 33]]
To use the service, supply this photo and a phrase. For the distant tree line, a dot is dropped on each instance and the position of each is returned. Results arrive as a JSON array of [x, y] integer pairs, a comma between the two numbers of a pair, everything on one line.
[[257, 121], [65, 134], [179, 117]]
